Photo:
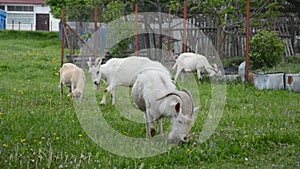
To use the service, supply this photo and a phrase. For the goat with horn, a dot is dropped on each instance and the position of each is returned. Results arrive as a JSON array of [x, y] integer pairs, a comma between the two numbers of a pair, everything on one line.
[[155, 94]]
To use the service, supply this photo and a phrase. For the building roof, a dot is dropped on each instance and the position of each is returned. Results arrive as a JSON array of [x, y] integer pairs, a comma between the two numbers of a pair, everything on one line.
[[23, 1]]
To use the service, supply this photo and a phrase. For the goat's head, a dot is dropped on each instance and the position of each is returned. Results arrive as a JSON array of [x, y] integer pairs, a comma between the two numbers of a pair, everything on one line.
[[215, 73], [95, 71], [183, 118], [76, 95]]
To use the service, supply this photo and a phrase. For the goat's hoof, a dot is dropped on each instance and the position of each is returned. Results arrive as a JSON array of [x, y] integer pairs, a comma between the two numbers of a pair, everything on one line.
[[102, 103], [152, 132]]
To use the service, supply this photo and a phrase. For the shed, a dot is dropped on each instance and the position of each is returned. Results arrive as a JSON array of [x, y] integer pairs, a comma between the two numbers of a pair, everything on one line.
[[28, 15], [2, 19]]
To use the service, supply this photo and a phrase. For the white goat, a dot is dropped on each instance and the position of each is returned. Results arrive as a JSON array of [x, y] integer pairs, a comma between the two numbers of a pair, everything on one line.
[[191, 62], [241, 71], [120, 72], [155, 94], [73, 77]]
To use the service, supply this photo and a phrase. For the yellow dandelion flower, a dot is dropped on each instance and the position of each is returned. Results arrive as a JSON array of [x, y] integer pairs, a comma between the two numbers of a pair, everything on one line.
[[40, 142], [57, 138], [80, 135], [53, 60], [23, 140], [4, 145], [21, 91], [188, 150], [43, 138], [56, 74], [14, 89], [1, 113]]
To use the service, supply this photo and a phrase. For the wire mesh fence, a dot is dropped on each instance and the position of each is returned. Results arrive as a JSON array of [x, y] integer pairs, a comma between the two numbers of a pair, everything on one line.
[[160, 30]]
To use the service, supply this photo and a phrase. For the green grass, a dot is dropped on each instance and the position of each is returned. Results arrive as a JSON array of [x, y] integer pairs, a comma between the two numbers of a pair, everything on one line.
[[258, 129]]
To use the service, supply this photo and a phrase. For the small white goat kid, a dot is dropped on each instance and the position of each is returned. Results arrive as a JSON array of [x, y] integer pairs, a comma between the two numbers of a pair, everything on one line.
[[73, 77], [155, 94], [191, 62], [119, 72]]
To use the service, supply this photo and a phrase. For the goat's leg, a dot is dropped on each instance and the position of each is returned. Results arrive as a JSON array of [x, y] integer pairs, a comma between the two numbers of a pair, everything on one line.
[[61, 90], [199, 75], [103, 101], [177, 73], [110, 88], [149, 125], [160, 128], [113, 101], [71, 88]]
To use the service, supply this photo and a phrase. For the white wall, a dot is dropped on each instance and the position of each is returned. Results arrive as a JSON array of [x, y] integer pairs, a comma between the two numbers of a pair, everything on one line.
[[38, 9]]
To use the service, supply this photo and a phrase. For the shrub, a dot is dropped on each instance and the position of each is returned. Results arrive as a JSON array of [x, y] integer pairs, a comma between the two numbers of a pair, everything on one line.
[[233, 61], [266, 49]]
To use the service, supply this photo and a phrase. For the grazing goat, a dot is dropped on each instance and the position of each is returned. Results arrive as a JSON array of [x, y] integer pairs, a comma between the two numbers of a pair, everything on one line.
[[191, 62], [155, 94], [242, 73], [120, 72], [73, 77]]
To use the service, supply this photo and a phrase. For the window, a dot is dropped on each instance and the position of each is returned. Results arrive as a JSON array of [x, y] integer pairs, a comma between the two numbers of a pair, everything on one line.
[[2, 7], [20, 8], [20, 18]]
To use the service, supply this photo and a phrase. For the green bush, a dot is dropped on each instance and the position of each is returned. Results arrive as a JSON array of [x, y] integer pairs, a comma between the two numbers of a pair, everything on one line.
[[233, 61], [266, 49]]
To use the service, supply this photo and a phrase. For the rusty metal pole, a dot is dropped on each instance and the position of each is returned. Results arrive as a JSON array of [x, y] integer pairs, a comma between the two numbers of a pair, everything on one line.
[[62, 35], [62, 46], [247, 37], [95, 32], [184, 27], [136, 28], [169, 36]]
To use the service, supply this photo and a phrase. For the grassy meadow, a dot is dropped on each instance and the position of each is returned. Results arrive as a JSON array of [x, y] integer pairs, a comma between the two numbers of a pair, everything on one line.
[[258, 129]]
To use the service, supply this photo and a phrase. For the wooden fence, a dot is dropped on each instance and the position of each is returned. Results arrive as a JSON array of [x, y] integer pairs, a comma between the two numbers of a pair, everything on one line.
[[234, 39]]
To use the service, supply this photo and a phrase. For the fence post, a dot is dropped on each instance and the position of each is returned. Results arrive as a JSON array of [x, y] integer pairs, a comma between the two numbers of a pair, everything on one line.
[[13, 24], [184, 27], [95, 32], [136, 28], [247, 37], [19, 25]]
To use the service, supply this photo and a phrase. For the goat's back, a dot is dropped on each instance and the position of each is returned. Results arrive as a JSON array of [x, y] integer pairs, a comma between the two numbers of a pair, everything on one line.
[[125, 71], [70, 73], [151, 85], [191, 61]]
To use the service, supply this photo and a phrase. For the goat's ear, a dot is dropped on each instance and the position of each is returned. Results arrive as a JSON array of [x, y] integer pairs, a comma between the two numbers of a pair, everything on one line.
[[89, 63], [98, 61], [215, 66], [177, 107], [196, 109]]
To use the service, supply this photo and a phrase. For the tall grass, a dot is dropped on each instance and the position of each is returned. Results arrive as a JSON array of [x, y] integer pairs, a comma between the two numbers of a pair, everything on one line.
[[258, 129]]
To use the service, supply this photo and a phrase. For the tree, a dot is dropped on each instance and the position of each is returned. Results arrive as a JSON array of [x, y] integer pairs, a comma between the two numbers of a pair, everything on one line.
[[229, 13], [57, 5]]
